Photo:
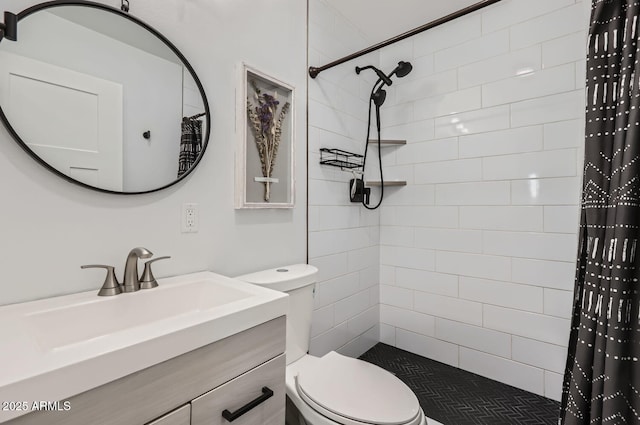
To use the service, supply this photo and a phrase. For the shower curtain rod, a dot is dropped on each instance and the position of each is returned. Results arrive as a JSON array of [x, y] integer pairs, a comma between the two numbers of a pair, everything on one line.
[[314, 71]]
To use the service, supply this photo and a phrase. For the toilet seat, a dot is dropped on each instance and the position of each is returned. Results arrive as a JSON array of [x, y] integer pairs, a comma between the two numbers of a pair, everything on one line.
[[353, 392]]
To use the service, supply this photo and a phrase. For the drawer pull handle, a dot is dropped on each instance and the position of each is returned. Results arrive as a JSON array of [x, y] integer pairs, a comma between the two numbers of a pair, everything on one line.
[[232, 416]]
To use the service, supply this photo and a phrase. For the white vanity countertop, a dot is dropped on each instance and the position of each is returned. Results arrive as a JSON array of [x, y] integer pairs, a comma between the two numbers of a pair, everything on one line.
[[53, 349]]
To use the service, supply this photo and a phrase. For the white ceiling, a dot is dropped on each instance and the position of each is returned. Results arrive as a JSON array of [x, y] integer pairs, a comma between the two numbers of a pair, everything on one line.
[[379, 20]]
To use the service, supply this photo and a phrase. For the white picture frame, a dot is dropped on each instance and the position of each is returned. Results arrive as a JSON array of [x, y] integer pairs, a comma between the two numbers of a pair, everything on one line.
[[250, 180]]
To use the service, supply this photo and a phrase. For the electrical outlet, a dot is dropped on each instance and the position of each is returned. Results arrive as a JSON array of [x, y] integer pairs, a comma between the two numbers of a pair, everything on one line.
[[189, 218]]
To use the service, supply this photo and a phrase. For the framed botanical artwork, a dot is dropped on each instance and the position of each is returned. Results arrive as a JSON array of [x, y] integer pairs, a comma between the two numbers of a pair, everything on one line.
[[265, 151]]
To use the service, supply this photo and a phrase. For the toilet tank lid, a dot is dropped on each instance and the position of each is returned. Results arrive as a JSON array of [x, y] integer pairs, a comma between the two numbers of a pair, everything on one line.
[[283, 279]]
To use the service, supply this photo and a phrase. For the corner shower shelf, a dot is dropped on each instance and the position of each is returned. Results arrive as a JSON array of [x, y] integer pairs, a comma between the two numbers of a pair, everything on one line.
[[388, 142], [341, 159], [386, 183], [352, 161]]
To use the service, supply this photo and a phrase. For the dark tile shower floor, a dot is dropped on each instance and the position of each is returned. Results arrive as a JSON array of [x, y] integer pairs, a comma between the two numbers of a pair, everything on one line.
[[457, 397]]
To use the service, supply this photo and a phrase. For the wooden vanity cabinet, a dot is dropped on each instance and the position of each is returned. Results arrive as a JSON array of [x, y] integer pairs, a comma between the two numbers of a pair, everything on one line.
[[180, 416], [261, 383], [194, 388]]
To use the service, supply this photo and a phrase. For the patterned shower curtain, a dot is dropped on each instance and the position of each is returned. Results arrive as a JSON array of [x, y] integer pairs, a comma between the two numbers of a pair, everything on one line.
[[190, 144], [602, 378]]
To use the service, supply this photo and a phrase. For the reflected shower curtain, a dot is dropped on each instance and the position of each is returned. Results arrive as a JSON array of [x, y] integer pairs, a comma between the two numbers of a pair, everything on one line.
[[190, 144], [602, 378]]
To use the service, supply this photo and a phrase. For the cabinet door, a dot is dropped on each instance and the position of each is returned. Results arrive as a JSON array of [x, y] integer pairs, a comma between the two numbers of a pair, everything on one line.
[[180, 416], [246, 397]]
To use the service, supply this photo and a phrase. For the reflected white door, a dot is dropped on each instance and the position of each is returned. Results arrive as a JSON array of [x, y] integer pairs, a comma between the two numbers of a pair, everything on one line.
[[71, 120]]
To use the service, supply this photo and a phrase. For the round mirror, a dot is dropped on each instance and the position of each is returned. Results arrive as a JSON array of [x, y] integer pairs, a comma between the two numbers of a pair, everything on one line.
[[102, 99]]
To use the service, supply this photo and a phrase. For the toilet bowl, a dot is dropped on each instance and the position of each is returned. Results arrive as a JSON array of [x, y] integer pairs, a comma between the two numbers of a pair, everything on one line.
[[332, 389], [335, 389]]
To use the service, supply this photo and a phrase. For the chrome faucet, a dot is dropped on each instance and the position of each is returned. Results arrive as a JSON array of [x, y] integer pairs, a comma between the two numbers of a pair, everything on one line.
[[131, 279]]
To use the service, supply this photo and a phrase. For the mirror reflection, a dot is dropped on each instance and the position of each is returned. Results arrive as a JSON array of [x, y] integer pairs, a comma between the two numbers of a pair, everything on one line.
[[101, 99]]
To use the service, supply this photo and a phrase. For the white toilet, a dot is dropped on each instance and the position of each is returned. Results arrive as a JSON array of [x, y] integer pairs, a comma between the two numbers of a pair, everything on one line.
[[333, 389]]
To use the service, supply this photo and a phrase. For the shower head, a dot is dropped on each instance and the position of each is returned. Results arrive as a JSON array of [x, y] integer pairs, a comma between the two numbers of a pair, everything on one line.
[[379, 95], [402, 69], [381, 75]]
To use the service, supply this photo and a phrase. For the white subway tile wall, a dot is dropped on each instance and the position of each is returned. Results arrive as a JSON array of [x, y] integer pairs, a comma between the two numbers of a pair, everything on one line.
[[344, 237], [426, 346], [471, 264], [478, 273]]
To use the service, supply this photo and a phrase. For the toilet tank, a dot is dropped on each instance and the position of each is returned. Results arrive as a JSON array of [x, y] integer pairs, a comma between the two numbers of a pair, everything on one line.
[[298, 281]]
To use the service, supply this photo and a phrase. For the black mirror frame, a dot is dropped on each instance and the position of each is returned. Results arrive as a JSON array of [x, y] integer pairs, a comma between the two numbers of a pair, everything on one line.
[[174, 49]]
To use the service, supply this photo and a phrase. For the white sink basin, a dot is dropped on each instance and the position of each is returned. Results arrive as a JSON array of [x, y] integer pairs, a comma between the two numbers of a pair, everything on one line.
[[59, 347], [86, 320]]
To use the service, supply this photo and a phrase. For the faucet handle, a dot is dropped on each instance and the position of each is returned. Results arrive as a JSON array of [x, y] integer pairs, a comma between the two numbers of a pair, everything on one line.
[[148, 281], [111, 286]]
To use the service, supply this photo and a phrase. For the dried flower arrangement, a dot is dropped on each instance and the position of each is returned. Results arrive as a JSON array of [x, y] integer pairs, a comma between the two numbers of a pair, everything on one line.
[[266, 123]]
